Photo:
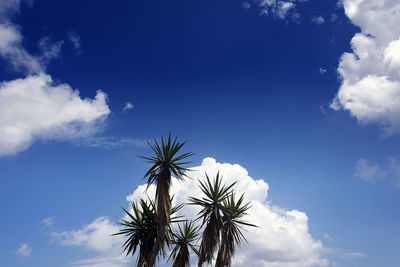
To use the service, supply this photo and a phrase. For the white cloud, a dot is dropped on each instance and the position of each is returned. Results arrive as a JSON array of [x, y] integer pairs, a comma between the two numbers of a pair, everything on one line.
[[281, 9], [128, 106], [111, 142], [281, 240], [11, 49], [370, 88], [35, 108], [334, 17], [328, 237], [95, 236], [8, 8], [372, 172], [368, 171], [24, 251], [318, 20], [48, 222], [322, 70], [49, 50]]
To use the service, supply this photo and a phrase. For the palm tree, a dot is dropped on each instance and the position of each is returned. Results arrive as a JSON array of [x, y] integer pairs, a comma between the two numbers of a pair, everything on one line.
[[231, 231], [141, 231], [211, 213], [165, 162], [183, 241]]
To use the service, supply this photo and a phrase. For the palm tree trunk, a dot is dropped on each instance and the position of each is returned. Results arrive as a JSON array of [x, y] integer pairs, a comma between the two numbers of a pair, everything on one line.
[[163, 201]]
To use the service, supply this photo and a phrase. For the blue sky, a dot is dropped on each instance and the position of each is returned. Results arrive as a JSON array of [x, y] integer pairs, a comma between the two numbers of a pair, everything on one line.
[[301, 94]]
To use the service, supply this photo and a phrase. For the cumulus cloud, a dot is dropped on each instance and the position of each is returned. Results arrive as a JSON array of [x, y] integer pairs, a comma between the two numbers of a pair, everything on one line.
[[34, 107], [281, 240], [95, 236], [322, 70], [370, 88], [319, 20], [24, 251]]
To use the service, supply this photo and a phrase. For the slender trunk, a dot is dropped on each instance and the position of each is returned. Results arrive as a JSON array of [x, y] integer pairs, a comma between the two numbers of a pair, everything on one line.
[[163, 208]]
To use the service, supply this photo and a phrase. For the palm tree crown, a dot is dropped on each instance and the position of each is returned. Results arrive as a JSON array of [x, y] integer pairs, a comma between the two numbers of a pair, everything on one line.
[[211, 213], [182, 241], [231, 231], [141, 231]]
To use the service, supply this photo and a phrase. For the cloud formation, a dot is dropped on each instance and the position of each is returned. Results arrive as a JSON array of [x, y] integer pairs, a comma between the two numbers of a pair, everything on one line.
[[370, 88], [373, 172], [319, 20], [24, 251], [281, 240], [34, 107], [128, 106], [281, 9], [368, 171]]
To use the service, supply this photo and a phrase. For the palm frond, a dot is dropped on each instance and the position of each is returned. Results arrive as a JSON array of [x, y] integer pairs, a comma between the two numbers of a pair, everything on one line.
[[140, 231], [182, 241]]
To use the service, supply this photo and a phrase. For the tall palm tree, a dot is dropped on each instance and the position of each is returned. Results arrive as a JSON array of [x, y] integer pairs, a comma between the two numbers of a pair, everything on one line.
[[165, 162], [231, 230], [141, 231], [211, 213], [182, 241]]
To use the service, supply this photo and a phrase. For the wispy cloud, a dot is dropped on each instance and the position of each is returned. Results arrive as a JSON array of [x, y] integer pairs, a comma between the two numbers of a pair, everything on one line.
[[371, 172], [128, 106], [24, 251], [368, 171], [246, 5], [319, 20], [75, 40], [353, 255], [111, 142], [48, 222]]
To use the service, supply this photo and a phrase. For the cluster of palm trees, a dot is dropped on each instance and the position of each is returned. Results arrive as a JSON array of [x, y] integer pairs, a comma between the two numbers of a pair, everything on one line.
[[152, 226]]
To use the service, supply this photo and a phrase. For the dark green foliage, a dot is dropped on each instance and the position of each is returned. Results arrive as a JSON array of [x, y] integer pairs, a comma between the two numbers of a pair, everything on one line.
[[141, 232], [231, 234], [211, 215], [182, 240]]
